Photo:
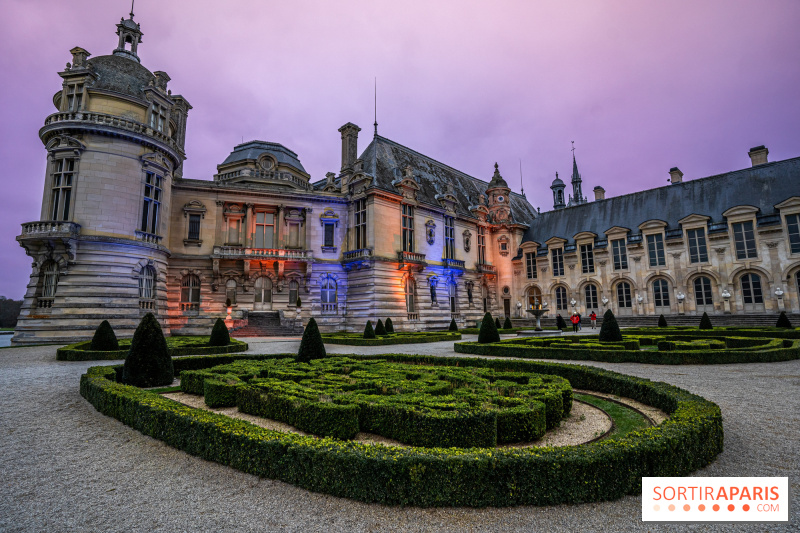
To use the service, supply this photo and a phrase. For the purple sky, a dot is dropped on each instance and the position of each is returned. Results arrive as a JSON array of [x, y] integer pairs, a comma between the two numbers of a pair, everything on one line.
[[639, 86]]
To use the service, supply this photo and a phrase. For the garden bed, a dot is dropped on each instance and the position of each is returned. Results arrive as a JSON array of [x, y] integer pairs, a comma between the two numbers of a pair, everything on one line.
[[357, 339], [178, 346]]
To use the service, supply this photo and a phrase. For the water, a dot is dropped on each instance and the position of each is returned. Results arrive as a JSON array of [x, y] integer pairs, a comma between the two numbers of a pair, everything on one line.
[[5, 339]]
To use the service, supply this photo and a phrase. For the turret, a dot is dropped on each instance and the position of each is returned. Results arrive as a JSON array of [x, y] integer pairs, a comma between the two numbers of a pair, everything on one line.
[[499, 199], [558, 193]]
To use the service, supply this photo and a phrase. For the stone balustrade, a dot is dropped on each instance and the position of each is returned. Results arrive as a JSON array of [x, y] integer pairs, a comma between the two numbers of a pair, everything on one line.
[[50, 228], [113, 121], [237, 252]]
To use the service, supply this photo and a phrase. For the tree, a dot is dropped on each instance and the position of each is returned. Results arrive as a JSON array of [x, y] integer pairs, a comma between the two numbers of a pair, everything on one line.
[[379, 329], [705, 322], [104, 339], [369, 333], [783, 321], [389, 326], [507, 324], [9, 311], [560, 324], [609, 331], [311, 347], [148, 363], [488, 332], [497, 323], [662, 322], [219, 334], [453, 325]]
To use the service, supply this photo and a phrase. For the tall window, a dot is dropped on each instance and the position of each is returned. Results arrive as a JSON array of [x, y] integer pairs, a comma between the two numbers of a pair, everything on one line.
[[793, 225], [410, 290], [328, 294], [74, 96], [294, 289], [624, 295], [702, 291], [263, 287], [745, 240], [590, 291], [158, 118], [661, 293], [327, 240], [190, 292], [561, 298], [587, 259], [265, 230], [234, 226], [151, 210], [697, 246], [147, 278], [50, 279], [620, 251], [361, 224], [230, 291], [481, 245], [194, 228], [449, 238], [408, 228], [452, 293], [530, 264], [63, 173], [751, 289], [558, 261], [655, 250]]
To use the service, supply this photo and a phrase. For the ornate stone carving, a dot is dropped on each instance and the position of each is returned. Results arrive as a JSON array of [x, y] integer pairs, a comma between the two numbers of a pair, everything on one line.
[[467, 240], [430, 231]]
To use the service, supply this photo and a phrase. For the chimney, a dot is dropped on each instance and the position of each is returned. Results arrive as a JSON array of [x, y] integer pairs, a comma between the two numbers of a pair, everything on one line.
[[599, 193], [349, 145], [758, 155], [675, 175]]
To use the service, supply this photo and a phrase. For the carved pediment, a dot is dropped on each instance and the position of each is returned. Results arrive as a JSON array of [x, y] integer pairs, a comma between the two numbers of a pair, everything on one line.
[[741, 211], [555, 242], [157, 161], [585, 236], [65, 143], [195, 207], [790, 204], [407, 185], [694, 220], [617, 232], [652, 225]]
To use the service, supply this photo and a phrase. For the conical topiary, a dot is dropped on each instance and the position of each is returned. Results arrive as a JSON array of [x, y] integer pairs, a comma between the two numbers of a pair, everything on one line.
[[104, 339], [507, 324], [783, 322], [389, 326], [560, 324], [497, 323], [369, 333], [488, 332], [453, 325], [148, 363], [662, 322], [311, 347], [609, 331], [379, 329], [705, 322], [219, 334]]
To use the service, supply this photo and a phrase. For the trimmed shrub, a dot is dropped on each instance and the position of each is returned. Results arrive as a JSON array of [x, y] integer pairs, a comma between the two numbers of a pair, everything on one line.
[[609, 331], [497, 323], [369, 333], [560, 324], [507, 324], [662, 322], [379, 329], [148, 363], [389, 326], [219, 334], [105, 340], [705, 322], [453, 325], [488, 331], [410, 337], [783, 321], [311, 347]]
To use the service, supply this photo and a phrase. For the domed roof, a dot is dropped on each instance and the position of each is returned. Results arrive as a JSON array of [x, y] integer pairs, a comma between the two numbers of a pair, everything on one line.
[[252, 150], [497, 179], [120, 74], [557, 182]]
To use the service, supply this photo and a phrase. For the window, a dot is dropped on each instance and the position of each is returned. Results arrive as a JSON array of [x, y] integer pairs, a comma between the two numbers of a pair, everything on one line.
[[263, 288], [152, 203], [147, 293], [697, 246], [751, 289], [294, 289], [327, 240], [265, 230], [655, 250], [587, 259], [194, 228], [530, 264], [230, 291], [561, 298], [793, 225], [449, 238], [661, 293], [410, 290], [190, 293], [481, 245], [558, 262], [702, 291], [158, 118], [234, 225], [50, 279], [63, 173], [745, 240], [590, 291], [620, 251], [74, 96], [624, 295], [452, 294], [408, 228], [503, 246], [328, 294], [361, 224]]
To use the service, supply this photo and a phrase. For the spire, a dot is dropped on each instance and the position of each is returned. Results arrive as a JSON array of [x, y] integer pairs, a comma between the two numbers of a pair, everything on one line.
[[376, 107], [521, 186], [577, 193]]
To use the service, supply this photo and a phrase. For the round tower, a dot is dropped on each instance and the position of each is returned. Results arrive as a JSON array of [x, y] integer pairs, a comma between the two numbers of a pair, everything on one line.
[[558, 193]]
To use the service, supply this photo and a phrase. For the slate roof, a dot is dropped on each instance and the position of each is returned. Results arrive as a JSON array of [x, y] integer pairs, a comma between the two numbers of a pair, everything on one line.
[[762, 186], [432, 176], [252, 150], [120, 74]]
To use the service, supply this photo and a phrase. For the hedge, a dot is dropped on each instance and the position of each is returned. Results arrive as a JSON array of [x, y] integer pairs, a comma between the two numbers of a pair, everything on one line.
[[773, 332], [400, 475], [177, 347], [356, 339]]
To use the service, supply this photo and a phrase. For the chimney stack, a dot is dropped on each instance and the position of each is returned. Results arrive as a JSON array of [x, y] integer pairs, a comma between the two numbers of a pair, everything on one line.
[[599, 193], [349, 145], [675, 175], [758, 155]]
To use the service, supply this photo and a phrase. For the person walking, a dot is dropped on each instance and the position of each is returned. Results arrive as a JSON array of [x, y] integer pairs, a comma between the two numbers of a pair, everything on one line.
[[575, 320], [593, 318], [580, 323]]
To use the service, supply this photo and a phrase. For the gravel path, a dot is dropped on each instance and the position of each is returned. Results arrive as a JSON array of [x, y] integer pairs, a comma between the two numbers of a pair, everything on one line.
[[65, 467]]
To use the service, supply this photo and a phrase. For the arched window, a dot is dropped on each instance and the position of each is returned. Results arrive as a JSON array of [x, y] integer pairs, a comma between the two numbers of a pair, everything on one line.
[[263, 287], [452, 294], [294, 290], [590, 292], [535, 298], [410, 290], [624, 295], [661, 293], [147, 289], [702, 291], [190, 293], [230, 291], [561, 298], [751, 289], [328, 294]]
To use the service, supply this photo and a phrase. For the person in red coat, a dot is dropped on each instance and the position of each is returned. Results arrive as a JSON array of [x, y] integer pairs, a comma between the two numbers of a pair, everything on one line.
[[575, 320], [593, 318]]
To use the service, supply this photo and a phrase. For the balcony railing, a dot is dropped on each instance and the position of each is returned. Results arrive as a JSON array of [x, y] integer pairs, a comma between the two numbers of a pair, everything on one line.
[[413, 316], [147, 305], [113, 121], [263, 253], [264, 175], [357, 255], [329, 309], [190, 306], [50, 228], [147, 237], [44, 303], [487, 269], [411, 257], [454, 263]]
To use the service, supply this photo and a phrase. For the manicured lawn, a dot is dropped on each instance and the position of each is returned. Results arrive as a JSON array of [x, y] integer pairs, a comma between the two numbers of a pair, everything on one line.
[[625, 419]]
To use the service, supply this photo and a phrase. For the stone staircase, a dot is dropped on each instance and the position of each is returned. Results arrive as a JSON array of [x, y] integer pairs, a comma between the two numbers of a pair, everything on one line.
[[266, 324], [750, 320]]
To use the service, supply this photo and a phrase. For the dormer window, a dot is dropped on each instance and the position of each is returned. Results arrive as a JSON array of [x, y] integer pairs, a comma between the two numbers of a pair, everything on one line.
[[74, 97], [158, 117]]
